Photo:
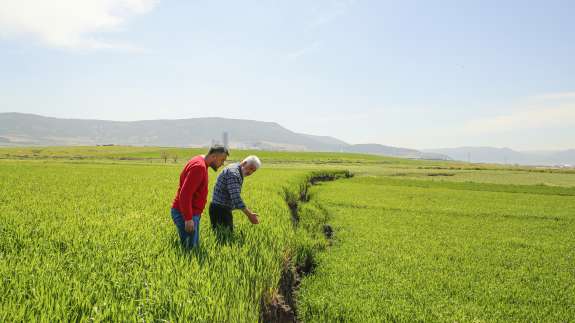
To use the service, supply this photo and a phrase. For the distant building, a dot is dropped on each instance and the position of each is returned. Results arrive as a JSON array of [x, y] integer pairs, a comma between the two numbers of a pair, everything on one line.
[[226, 139]]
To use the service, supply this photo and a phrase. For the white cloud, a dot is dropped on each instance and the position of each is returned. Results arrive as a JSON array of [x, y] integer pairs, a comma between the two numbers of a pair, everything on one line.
[[68, 23], [530, 118]]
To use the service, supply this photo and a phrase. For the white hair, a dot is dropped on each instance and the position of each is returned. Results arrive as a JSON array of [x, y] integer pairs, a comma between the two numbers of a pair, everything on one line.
[[252, 160]]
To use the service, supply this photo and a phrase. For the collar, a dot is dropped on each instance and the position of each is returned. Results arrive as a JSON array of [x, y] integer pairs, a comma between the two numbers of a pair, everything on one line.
[[240, 170]]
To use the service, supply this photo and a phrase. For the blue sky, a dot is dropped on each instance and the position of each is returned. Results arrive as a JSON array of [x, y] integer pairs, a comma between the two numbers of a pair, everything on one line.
[[418, 74]]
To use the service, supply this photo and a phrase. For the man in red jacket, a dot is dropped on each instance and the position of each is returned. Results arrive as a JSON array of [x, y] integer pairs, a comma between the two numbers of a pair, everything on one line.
[[192, 194]]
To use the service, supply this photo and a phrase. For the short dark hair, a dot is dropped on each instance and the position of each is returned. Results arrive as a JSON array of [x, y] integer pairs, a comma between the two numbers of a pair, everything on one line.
[[219, 149]]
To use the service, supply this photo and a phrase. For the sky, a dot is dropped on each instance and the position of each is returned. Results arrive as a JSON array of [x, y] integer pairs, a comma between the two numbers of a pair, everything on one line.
[[416, 74]]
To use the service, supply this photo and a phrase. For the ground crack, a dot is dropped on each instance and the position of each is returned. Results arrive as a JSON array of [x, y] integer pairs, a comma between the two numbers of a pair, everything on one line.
[[280, 306]]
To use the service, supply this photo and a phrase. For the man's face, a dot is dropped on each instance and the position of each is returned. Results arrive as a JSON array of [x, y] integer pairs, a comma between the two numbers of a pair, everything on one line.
[[248, 169], [218, 161]]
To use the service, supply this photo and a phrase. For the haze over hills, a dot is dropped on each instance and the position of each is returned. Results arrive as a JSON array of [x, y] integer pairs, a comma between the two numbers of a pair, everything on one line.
[[508, 156], [18, 129], [394, 151]]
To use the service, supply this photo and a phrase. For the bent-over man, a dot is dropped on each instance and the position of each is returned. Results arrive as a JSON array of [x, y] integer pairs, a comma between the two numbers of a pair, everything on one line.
[[226, 196], [192, 194]]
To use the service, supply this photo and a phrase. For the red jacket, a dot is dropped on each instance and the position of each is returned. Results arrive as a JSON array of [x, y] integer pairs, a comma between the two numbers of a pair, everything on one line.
[[193, 191]]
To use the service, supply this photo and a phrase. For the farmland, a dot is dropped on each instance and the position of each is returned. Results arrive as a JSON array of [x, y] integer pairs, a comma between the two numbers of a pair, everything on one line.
[[96, 241], [435, 251], [85, 234]]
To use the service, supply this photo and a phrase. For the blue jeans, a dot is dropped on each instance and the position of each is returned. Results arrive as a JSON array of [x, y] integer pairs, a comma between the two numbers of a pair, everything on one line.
[[188, 240]]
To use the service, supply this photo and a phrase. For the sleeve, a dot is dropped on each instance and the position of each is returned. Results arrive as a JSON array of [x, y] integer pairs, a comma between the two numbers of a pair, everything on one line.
[[235, 188], [190, 185]]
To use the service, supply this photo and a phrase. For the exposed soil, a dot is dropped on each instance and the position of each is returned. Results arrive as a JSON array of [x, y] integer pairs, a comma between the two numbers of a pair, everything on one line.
[[294, 212], [280, 307], [328, 231]]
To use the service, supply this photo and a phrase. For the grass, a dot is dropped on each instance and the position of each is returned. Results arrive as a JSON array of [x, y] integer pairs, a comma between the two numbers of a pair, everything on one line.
[[96, 241], [85, 234], [409, 250]]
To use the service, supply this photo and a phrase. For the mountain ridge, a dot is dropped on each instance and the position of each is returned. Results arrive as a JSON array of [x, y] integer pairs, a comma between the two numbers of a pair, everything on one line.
[[505, 155], [31, 129], [21, 129]]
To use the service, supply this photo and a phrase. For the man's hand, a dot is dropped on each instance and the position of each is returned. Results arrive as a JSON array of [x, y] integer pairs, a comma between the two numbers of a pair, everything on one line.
[[189, 226], [253, 217]]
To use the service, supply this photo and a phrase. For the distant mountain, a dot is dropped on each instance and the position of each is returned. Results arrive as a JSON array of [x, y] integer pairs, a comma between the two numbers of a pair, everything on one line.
[[508, 156], [326, 140], [37, 130], [18, 129], [565, 155], [394, 151]]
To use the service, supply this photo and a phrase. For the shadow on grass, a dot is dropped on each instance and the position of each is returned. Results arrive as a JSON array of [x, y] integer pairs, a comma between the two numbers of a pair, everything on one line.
[[197, 253], [226, 236]]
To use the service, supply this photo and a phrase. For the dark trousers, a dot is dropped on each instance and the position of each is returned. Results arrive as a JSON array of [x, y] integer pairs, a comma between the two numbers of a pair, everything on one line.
[[221, 216]]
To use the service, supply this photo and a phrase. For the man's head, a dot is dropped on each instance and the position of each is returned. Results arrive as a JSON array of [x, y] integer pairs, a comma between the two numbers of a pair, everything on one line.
[[250, 164], [216, 156]]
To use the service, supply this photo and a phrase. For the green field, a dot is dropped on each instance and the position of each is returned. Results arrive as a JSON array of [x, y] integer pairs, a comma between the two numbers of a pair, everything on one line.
[[85, 234], [412, 251]]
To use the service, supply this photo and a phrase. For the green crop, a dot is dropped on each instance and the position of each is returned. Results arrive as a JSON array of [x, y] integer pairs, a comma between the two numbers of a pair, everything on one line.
[[96, 241], [415, 250], [86, 235]]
